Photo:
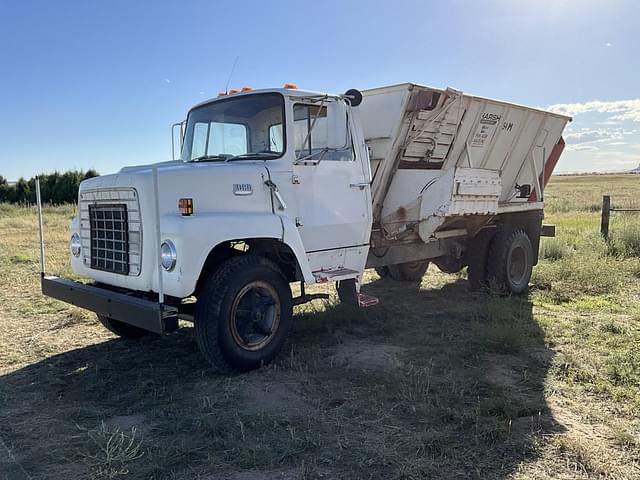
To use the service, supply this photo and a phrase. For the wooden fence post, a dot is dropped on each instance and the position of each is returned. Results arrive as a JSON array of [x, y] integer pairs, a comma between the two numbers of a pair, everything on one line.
[[606, 211]]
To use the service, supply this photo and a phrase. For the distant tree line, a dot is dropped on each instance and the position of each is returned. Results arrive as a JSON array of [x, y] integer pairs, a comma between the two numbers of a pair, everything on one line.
[[54, 187]]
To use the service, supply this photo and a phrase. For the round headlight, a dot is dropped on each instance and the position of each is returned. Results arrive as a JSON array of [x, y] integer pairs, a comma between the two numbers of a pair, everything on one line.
[[75, 245], [168, 255]]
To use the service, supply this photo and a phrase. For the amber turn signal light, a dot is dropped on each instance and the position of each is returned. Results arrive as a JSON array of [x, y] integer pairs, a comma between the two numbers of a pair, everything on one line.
[[185, 205]]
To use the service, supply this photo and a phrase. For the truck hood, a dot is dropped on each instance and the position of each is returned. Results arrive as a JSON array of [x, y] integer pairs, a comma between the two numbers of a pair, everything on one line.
[[160, 165], [215, 187]]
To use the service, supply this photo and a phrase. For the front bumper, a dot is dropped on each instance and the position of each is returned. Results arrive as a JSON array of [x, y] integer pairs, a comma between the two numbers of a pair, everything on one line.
[[125, 306]]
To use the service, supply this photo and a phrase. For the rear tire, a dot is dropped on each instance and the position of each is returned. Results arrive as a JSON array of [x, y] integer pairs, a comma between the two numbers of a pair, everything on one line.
[[122, 329], [244, 314], [510, 262], [476, 258], [409, 271], [448, 264]]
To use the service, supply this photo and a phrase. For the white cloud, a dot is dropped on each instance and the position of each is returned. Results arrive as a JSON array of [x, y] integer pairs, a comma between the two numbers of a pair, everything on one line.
[[624, 110], [603, 136], [631, 116], [608, 44], [167, 80], [587, 135], [609, 122], [582, 148]]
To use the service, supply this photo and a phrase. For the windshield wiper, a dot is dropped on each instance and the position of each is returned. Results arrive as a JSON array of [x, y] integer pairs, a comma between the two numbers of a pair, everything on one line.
[[256, 155], [211, 158]]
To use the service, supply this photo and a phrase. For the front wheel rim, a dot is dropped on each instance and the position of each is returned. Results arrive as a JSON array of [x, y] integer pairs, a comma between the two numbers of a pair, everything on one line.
[[255, 315]]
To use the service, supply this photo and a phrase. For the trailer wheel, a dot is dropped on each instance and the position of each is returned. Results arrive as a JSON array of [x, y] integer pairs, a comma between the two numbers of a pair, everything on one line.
[[383, 272], [243, 314], [510, 262], [409, 271], [122, 329]]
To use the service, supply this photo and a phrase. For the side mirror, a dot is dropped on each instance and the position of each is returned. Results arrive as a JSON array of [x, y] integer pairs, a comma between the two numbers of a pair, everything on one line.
[[354, 97], [181, 133], [337, 125]]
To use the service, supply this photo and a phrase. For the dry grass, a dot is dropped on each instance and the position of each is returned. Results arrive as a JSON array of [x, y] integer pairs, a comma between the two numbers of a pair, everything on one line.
[[436, 382]]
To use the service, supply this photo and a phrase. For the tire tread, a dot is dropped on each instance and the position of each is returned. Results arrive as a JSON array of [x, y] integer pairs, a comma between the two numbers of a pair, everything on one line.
[[497, 257], [215, 290]]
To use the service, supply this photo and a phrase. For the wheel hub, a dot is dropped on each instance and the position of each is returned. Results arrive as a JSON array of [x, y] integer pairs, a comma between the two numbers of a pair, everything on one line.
[[255, 315], [517, 265]]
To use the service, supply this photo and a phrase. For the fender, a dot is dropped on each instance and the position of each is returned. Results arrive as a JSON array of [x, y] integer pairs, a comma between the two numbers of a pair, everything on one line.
[[195, 236]]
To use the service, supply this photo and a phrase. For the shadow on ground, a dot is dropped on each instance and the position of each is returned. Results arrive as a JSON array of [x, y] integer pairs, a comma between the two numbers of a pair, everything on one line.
[[432, 383]]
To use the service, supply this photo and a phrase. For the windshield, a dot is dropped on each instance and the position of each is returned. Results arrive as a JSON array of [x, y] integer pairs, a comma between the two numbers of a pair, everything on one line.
[[244, 127]]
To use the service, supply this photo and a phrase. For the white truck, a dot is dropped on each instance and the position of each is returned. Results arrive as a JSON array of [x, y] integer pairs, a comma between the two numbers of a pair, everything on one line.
[[282, 185]]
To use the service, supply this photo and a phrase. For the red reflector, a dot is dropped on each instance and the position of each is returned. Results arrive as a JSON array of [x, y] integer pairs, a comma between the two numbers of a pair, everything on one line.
[[185, 206]]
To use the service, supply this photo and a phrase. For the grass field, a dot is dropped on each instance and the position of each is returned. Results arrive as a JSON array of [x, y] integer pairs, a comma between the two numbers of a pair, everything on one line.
[[436, 382]]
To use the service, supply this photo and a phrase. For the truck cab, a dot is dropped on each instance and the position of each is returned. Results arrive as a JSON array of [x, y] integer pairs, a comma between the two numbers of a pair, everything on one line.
[[282, 166], [272, 186]]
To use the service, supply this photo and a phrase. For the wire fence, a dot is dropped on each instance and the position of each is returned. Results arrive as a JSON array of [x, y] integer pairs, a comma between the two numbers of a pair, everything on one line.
[[606, 214]]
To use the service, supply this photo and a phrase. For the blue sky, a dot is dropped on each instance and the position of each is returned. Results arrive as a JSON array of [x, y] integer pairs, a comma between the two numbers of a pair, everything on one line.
[[97, 84]]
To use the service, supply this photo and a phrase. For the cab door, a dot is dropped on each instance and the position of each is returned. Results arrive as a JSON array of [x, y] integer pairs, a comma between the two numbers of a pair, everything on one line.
[[333, 185]]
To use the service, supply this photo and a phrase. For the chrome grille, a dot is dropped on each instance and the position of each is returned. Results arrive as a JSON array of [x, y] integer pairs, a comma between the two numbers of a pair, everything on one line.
[[115, 246], [109, 238]]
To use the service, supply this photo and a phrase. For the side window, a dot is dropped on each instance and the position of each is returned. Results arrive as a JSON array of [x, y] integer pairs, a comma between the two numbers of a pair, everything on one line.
[[314, 145], [199, 145], [276, 142]]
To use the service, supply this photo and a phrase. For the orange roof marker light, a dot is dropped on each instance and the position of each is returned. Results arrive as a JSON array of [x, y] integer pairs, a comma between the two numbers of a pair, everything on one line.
[[221, 94], [290, 86], [233, 90], [247, 89]]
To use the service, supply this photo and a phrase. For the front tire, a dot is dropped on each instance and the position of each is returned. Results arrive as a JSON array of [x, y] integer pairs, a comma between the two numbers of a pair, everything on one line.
[[244, 313], [122, 329], [510, 263]]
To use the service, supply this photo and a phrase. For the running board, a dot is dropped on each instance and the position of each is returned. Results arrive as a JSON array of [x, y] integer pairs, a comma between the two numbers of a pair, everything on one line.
[[323, 276]]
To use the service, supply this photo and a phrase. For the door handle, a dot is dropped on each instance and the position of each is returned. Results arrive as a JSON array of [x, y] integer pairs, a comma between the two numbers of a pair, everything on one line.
[[276, 193], [361, 185]]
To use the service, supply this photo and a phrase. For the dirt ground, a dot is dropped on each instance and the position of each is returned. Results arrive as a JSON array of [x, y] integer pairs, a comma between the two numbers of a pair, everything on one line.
[[435, 382]]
